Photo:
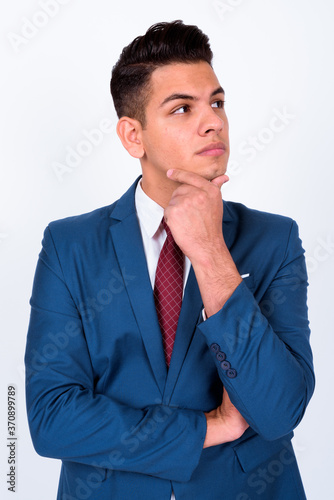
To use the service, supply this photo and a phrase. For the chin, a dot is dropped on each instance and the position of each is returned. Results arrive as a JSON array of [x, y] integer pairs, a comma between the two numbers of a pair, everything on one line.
[[215, 173]]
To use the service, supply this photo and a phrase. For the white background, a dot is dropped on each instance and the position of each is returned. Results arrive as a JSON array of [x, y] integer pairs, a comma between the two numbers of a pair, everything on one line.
[[55, 85]]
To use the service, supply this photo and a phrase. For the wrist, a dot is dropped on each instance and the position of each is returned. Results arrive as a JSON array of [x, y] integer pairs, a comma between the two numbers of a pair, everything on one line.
[[211, 255], [217, 277]]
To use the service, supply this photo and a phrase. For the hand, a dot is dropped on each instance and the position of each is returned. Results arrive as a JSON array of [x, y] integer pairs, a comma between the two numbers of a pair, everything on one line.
[[224, 424], [195, 213]]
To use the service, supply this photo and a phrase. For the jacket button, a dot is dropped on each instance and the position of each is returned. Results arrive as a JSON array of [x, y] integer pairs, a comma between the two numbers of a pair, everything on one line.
[[221, 356], [226, 365], [231, 373], [215, 347]]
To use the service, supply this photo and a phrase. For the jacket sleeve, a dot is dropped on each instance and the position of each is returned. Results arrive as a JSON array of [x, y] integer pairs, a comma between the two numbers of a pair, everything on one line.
[[262, 350], [69, 420]]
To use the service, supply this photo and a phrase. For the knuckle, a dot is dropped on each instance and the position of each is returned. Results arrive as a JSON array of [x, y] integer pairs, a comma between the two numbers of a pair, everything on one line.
[[201, 198], [188, 202]]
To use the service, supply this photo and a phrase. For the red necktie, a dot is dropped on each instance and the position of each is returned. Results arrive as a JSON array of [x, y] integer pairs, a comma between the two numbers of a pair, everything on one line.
[[168, 290]]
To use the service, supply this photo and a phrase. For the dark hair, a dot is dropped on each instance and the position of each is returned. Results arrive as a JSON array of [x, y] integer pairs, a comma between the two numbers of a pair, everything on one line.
[[163, 43]]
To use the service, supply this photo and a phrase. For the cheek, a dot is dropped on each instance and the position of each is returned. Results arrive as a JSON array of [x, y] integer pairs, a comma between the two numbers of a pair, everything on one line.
[[165, 145], [173, 142], [160, 149], [179, 140]]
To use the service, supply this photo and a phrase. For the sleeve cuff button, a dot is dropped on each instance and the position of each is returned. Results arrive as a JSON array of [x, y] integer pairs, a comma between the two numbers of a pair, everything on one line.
[[215, 348], [221, 356], [231, 373], [226, 365]]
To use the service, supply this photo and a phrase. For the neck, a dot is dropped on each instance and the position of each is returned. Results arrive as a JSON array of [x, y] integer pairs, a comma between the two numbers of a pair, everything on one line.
[[159, 188]]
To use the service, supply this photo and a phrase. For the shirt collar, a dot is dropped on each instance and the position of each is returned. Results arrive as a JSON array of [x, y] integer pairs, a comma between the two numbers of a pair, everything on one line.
[[149, 212]]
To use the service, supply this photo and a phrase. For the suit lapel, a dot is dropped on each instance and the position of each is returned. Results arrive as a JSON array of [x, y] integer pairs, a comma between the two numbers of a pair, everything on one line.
[[229, 226], [190, 311], [127, 240]]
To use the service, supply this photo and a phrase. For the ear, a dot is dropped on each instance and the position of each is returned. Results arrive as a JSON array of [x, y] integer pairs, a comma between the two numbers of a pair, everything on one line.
[[129, 131]]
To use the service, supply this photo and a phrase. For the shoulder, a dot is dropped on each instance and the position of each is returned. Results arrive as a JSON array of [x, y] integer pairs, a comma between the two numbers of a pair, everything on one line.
[[80, 227], [93, 218], [264, 239], [255, 221], [97, 221], [262, 243], [257, 232]]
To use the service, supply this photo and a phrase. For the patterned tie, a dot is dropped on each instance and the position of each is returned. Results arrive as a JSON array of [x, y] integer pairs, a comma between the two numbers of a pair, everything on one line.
[[168, 290]]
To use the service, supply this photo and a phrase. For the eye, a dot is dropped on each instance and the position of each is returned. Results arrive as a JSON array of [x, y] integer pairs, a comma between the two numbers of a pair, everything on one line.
[[181, 110], [218, 104]]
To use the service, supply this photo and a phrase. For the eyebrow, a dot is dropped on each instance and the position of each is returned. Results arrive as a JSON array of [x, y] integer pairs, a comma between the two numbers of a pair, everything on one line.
[[175, 97]]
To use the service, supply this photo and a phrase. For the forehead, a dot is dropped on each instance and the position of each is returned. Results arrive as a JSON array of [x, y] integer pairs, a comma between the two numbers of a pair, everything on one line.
[[195, 79]]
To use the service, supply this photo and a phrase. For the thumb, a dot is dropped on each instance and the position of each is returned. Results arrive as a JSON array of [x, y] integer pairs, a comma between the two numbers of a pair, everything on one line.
[[220, 180]]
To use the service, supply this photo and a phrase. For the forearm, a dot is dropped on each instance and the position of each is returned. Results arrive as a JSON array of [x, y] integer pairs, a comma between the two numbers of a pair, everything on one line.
[[71, 420], [272, 384], [215, 431], [220, 432], [217, 277], [264, 340], [76, 425], [224, 424]]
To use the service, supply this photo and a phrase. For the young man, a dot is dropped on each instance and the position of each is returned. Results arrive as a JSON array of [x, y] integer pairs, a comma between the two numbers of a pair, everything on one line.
[[140, 397]]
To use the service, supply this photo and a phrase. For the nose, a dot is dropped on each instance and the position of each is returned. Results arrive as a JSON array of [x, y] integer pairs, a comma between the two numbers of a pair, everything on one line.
[[210, 122]]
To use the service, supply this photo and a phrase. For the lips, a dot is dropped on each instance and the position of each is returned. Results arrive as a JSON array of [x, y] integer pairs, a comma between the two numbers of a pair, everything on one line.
[[213, 149]]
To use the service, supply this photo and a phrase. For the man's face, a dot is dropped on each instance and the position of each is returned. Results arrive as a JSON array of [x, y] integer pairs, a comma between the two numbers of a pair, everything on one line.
[[186, 124]]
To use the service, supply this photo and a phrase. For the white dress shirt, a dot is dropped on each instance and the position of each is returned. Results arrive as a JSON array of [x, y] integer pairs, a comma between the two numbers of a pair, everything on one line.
[[150, 215]]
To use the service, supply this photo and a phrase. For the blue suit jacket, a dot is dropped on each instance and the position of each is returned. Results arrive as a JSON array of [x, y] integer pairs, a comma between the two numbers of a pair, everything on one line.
[[99, 396]]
